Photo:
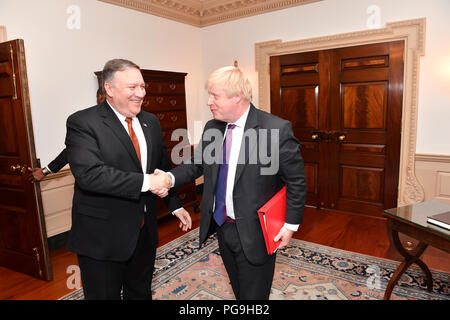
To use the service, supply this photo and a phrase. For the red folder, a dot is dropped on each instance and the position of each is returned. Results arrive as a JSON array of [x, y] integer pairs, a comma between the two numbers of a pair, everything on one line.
[[272, 216]]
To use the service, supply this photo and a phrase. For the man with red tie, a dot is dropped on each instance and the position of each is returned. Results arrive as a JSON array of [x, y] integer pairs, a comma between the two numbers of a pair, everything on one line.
[[112, 148]]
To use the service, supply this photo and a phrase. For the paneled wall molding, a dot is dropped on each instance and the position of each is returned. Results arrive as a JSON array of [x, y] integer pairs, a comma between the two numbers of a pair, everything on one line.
[[202, 13], [433, 171], [413, 33], [57, 194]]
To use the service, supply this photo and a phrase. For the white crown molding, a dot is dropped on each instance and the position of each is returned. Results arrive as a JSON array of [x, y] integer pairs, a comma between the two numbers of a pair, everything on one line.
[[202, 13], [413, 33]]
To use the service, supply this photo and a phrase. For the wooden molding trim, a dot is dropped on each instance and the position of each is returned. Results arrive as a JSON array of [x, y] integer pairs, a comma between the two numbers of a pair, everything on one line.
[[413, 33], [207, 12], [433, 158], [61, 173], [3, 34]]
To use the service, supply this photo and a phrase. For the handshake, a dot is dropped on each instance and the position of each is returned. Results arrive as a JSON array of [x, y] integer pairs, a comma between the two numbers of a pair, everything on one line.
[[160, 183]]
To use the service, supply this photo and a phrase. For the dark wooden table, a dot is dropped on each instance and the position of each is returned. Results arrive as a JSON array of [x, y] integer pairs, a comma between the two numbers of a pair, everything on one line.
[[412, 221]]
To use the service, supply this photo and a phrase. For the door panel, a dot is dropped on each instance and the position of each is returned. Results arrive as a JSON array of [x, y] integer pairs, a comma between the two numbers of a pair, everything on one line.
[[369, 109], [364, 105], [345, 107], [23, 240], [300, 105], [295, 94]]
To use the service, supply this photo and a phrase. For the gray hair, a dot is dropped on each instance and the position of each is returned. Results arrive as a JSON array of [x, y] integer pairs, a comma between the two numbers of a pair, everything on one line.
[[114, 65]]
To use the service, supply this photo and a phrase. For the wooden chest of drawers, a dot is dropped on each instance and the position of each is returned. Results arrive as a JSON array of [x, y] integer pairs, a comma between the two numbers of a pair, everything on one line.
[[165, 98]]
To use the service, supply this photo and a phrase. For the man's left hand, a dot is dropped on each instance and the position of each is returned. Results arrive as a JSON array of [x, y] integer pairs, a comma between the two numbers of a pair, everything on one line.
[[285, 236], [185, 219]]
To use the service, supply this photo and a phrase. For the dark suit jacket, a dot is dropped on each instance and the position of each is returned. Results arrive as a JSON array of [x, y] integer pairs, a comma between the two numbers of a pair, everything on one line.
[[59, 162], [251, 189], [108, 204]]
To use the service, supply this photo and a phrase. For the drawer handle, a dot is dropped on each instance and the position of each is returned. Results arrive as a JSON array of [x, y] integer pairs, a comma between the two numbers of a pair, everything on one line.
[[161, 116], [159, 100], [174, 118], [173, 102], [182, 196], [172, 86]]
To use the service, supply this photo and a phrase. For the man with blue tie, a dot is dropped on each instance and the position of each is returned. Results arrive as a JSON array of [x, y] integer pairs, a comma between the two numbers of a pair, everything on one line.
[[240, 183]]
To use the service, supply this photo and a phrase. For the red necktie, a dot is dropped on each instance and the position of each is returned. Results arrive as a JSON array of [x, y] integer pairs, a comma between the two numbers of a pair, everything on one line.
[[134, 138], [135, 141]]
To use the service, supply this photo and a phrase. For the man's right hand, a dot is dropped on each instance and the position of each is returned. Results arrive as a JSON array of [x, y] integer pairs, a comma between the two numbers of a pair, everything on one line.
[[160, 183]]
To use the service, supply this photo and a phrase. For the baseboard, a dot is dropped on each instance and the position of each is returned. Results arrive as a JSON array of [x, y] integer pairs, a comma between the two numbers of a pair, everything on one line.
[[58, 241]]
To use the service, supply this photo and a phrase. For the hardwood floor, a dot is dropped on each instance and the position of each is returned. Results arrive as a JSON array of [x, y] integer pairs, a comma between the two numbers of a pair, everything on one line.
[[366, 235]]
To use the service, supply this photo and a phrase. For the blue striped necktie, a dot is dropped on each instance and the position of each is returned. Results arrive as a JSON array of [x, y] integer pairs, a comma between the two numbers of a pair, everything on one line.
[[220, 210]]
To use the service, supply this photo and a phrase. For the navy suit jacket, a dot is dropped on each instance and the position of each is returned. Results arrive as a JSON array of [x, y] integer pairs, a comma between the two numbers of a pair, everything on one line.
[[252, 189]]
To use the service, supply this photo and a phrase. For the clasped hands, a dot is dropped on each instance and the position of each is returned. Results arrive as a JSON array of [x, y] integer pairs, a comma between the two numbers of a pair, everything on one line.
[[160, 183]]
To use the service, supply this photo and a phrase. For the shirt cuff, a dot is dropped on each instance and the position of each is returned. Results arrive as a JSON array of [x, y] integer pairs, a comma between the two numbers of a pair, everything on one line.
[[173, 179], [292, 227], [146, 183], [176, 210]]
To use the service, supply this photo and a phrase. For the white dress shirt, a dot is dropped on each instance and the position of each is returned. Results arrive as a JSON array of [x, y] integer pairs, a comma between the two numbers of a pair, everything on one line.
[[142, 145]]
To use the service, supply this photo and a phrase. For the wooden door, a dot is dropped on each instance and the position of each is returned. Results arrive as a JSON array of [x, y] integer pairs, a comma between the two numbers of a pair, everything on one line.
[[23, 240], [345, 106], [295, 95]]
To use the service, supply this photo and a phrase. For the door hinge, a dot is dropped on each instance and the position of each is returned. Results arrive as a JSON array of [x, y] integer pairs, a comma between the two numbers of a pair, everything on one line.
[[13, 72], [38, 260]]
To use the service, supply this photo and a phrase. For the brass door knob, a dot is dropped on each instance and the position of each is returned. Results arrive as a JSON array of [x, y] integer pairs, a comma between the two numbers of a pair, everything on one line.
[[342, 137], [16, 168], [316, 136], [19, 168]]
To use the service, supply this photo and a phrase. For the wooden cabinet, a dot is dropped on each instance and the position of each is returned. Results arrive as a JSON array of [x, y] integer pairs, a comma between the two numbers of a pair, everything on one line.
[[166, 98]]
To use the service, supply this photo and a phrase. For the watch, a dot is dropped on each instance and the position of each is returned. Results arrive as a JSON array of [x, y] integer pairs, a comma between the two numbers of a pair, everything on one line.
[[46, 171]]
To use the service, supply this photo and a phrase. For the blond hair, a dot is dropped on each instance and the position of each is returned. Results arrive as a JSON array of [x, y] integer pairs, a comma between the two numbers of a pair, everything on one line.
[[232, 80]]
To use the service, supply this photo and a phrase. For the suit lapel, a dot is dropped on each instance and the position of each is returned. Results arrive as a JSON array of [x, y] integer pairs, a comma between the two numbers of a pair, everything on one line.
[[251, 123], [145, 125], [111, 120]]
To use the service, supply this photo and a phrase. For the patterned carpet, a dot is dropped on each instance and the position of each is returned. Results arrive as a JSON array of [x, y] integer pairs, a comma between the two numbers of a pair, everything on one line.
[[304, 271]]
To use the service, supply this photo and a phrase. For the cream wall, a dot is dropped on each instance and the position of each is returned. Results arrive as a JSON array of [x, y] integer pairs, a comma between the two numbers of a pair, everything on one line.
[[61, 61], [223, 43]]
